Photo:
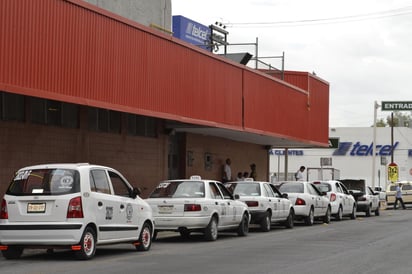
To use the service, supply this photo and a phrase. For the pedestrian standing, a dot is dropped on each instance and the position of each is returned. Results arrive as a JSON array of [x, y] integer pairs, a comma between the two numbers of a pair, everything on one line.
[[299, 173], [227, 171]]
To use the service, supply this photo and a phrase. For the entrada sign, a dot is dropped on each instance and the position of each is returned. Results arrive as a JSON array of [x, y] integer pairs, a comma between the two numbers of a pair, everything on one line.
[[396, 105], [358, 149]]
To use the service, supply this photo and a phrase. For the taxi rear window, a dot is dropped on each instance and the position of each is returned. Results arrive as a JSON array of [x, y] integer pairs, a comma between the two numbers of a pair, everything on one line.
[[44, 182], [179, 189], [292, 188], [245, 189]]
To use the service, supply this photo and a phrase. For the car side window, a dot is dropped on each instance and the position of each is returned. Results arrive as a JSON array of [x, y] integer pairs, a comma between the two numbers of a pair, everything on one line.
[[225, 192], [338, 188], [120, 187], [344, 189], [99, 181], [312, 190], [214, 191], [268, 191]]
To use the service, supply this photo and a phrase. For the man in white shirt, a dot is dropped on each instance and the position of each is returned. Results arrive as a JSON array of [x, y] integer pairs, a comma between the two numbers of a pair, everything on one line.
[[227, 171], [299, 174]]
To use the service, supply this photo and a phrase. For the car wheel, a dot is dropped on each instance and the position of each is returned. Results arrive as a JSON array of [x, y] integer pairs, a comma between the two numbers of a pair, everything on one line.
[[290, 221], [339, 215], [184, 233], [310, 218], [353, 214], [12, 252], [87, 244], [266, 222], [243, 228], [211, 230], [326, 218], [145, 239], [377, 213], [368, 211]]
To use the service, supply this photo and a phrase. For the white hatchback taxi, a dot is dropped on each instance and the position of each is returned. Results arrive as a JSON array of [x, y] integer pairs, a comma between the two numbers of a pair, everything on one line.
[[341, 201], [72, 206], [267, 205], [309, 203], [197, 205]]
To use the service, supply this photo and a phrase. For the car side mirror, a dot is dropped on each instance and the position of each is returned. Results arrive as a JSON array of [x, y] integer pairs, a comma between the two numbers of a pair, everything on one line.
[[236, 196], [285, 195]]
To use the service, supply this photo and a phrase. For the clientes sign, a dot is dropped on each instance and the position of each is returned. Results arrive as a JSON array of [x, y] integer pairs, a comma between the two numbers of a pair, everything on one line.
[[359, 149]]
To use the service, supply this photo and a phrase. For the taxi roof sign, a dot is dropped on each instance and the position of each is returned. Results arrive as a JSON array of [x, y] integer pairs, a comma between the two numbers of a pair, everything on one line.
[[195, 177]]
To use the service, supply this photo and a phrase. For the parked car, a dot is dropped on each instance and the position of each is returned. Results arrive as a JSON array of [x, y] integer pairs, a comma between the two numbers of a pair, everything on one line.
[[74, 206], [341, 201], [197, 205], [267, 206], [308, 202], [406, 188], [367, 201]]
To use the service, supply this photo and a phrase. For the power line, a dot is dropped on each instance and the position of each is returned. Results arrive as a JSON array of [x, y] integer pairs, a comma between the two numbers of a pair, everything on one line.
[[333, 20]]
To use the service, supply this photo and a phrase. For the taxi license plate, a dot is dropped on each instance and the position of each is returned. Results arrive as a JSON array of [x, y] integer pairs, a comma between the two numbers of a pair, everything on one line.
[[165, 209], [36, 207]]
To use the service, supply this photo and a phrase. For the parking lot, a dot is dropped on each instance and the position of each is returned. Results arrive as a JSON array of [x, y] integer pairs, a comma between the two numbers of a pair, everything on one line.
[[378, 244]]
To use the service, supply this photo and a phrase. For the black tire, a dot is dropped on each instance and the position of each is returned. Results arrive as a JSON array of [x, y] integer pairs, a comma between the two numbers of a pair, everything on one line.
[[290, 221], [326, 218], [88, 244], [265, 224], [12, 252], [368, 211], [377, 212], [353, 214], [243, 228], [211, 230], [339, 215], [309, 220], [145, 239]]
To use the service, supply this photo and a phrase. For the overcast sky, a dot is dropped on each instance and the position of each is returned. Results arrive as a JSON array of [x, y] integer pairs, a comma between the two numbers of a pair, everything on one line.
[[362, 48]]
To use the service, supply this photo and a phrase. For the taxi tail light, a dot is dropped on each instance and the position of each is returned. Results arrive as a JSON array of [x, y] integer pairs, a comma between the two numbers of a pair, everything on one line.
[[300, 201], [3, 210], [75, 209], [332, 197], [252, 203], [193, 207]]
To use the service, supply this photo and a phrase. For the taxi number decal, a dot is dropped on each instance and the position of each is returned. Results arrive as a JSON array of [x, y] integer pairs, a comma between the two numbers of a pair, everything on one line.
[[109, 212]]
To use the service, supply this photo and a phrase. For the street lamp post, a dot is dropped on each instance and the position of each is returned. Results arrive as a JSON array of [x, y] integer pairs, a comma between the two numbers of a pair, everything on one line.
[[375, 109]]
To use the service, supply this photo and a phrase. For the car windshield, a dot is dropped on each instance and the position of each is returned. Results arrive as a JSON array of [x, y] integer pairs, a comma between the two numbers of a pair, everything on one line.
[[292, 188], [179, 189], [245, 189], [44, 182]]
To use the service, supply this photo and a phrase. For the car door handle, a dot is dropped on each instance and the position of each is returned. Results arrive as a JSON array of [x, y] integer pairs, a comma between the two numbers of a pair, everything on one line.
[[270, 200], [121, 206], [216, 203]]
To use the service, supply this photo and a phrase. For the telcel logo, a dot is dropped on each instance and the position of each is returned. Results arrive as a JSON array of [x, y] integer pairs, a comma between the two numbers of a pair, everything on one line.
[[196, 31], [358, 149]]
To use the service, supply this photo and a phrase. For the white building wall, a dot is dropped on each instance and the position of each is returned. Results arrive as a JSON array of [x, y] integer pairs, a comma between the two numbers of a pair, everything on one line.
[[355, 162]]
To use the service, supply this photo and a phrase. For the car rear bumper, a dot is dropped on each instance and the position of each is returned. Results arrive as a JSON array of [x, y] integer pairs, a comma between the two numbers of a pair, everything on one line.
[[174, 223], [40, 234]]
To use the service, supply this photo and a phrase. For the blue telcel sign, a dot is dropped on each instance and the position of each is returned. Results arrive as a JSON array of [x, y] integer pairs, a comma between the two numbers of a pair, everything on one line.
[[191, 31]]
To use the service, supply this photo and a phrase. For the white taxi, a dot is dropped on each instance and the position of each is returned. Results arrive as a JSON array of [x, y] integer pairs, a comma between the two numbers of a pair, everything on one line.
[[197, 205], [267, 206], [309, 203], [341, 201], [73, 206]]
